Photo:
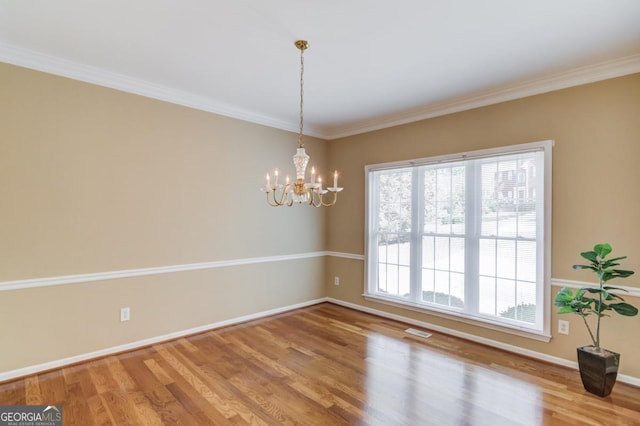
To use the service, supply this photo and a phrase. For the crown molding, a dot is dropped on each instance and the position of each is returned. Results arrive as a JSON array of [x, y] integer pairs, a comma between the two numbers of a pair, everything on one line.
[[576, 77], [94, 75], [101, 77]]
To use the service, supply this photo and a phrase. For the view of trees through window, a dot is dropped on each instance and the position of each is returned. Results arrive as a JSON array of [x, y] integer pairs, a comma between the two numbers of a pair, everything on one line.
[[461, 235]]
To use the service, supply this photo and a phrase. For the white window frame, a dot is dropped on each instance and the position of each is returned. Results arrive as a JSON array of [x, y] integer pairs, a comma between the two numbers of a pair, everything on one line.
[[543, 300]]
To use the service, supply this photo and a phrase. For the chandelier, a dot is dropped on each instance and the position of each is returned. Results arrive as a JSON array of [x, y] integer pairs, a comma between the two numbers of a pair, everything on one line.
[[301, 191]]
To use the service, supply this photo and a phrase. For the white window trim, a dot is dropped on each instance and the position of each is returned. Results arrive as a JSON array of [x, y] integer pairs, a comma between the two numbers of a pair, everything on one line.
[[546, 148]]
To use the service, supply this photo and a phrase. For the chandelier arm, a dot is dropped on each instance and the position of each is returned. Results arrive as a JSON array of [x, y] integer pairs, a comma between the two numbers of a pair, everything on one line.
[[287, 194], [335, 198], [317, 200], [286, 199], [312, 199], [274, 203], [283, 197], [315, 203]]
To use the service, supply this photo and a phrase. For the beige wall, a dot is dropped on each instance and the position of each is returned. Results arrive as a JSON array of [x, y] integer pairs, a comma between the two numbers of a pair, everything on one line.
[[96, 180], [596, 157]]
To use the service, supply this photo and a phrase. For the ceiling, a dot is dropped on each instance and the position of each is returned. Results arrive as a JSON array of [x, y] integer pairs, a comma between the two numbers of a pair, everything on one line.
[[371, 64]]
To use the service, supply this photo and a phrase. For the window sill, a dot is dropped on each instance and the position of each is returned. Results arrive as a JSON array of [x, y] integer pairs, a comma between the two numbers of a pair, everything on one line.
[[521, 332]]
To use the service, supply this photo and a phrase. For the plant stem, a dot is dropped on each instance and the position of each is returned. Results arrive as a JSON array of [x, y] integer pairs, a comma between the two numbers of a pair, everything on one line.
[[597, 340], [584, 318]]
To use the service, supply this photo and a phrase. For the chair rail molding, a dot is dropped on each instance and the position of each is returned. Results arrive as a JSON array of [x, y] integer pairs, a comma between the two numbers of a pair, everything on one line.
[[128, 273]]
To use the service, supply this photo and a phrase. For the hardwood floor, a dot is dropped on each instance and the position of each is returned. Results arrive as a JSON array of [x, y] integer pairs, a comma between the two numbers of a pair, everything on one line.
[[322, 365]]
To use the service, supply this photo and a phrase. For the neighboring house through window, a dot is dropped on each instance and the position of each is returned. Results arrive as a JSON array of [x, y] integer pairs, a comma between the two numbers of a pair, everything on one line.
[[464, 235]]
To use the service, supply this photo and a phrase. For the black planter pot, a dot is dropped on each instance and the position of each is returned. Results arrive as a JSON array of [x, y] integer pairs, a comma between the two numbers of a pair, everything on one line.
[[598, 369]]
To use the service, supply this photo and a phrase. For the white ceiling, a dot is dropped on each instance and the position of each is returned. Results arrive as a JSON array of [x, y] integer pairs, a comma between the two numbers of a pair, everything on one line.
[[371, 64]]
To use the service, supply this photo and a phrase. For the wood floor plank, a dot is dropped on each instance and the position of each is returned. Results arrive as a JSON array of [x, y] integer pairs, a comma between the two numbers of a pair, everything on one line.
[[33, 396], [100, 415], [321, 365], [52, 388], [120, 375], [76, 410]]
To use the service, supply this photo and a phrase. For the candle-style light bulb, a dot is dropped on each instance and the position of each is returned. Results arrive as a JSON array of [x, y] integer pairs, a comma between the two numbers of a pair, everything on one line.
[[313, 175], [335, 179], [276, 173]]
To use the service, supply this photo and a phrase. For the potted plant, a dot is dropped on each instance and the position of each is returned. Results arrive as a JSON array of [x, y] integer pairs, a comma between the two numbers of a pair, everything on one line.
[[598, 366]]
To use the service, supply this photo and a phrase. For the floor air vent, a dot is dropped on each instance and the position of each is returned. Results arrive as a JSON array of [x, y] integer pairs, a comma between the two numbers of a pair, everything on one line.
[[418, 332]]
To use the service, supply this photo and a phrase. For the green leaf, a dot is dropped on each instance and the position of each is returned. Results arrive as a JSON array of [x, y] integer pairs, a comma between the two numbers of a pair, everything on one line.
[[600, 306], [607, 287], [609, 296], [565, 295], [602, 250], [593, 268], [566, 310], [615, 259], [624, 309], [615, 273], [590, 255]]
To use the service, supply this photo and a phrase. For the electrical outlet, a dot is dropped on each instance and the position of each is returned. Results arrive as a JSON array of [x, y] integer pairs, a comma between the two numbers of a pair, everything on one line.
[[125, 314], [563, 327], [336, 280]]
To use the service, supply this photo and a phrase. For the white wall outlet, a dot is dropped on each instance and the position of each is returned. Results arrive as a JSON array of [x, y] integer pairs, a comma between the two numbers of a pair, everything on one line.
[[125, 314], [563, 327], [336, 280]]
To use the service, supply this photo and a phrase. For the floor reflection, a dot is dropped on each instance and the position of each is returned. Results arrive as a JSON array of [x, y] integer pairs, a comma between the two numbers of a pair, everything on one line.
[[410, 383]]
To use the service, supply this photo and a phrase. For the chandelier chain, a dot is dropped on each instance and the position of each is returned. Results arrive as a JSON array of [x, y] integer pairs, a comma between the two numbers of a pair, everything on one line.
[[300, 143]]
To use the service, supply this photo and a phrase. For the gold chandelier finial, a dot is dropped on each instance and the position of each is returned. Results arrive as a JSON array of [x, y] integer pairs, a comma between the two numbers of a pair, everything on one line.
[[302, 44], [299, 192]]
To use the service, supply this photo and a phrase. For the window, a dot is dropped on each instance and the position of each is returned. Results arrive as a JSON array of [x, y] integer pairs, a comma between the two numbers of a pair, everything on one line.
[[464, 235]]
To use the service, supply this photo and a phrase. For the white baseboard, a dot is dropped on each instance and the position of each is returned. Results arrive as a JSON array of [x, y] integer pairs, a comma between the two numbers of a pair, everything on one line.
[[631, 380], [34, 369]]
